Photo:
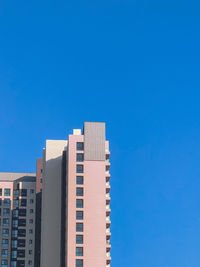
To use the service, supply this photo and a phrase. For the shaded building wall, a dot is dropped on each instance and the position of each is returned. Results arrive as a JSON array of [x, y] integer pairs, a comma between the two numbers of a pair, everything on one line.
[[39, 172]]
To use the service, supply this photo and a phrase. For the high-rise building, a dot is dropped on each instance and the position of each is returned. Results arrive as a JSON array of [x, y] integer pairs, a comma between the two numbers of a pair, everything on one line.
[[17, 219], [75, 230]]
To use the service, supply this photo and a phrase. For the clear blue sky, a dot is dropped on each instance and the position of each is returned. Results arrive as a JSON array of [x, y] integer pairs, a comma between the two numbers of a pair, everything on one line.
[[134, 64]]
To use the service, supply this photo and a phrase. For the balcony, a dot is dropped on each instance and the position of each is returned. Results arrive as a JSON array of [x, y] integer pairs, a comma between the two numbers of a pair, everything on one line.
[[108, 210]]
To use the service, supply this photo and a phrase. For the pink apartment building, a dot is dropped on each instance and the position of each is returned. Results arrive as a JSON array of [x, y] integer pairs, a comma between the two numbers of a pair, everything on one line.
[[75, 229]]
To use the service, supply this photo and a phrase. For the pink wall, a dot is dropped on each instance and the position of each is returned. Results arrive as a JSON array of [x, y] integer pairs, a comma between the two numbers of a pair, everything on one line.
[[94, 209], [39, 175]]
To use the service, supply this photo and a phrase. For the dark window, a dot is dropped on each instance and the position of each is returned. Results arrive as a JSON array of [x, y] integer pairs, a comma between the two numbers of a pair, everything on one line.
[[20, 263], [16, 193], [79, 203], [79, 227], [6, 202], [31, 191], [22, 212], [14, 233], [6, 212], [79, 157], [4, 243], [31, 221], [15, 213], [6, 222], [0, 191], [13, 264], [30, 241], [21, 253], [30, 231], [31, 201], [14, 243], [21, 243], [79, 215], [16, 203], [79, 191], [0, 211], [22, 232], [79, 263], [79, 146], [31, 211], [4, 253], [79, 168], [23, 202], [14, 254], [15, 223], [23, 192], [4, 263], [7, 192], [22, 222], [5, 232], [79, 239], [79, 179], [0, 201], [79, 251]]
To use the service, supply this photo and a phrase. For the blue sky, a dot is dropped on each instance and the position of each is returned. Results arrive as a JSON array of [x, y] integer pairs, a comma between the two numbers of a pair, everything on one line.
[[135, 65]]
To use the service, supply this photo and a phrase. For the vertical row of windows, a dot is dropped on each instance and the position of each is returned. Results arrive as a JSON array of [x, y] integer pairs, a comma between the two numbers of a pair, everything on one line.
[[79, 204]]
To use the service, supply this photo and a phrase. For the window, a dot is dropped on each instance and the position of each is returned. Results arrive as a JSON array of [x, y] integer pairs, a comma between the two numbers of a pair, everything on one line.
[[6, 222], [14, 254], [23, 202], [79, 146], [15, 223], [14, 243], [15, 213], [6, 202], [31, 201], [79, 215], [4, 253], [30, 241], [79, 227], [31, 221], [79, 239], [4, 263], [4, 243], [6, 212], [30, 231], [0, 201], [79, 191], [31, 210], [0, 211], [22, 212], [5, 232], [21, 243], [79, 263], [14, 233], [79, 203], [16, 203], [21, 253], [13, 264], [22, 262], [79, 251], [0, 191], [7, 192], [30, 252], [31, 191], [79, 168], [30, 262], [79, 157], [22, 222], [23, 192], [16, 193], [79, 179], [22, 232]]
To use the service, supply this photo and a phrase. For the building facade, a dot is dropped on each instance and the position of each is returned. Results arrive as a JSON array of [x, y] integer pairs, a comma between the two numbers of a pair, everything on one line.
[[17, 219], [75, 230]]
